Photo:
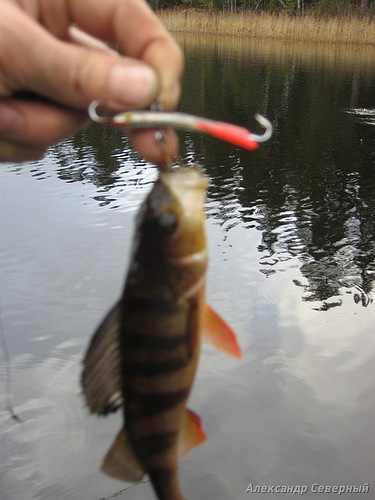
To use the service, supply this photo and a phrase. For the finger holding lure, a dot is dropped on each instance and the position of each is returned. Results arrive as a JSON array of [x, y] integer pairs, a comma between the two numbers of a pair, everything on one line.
[[234, 134]]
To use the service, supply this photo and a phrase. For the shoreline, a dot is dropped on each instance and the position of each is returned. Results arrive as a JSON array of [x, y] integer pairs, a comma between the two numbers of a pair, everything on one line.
[[324, 55], [333, 30]]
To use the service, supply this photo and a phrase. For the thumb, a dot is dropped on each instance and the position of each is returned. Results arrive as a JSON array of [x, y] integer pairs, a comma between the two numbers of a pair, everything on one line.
[[70, 74]]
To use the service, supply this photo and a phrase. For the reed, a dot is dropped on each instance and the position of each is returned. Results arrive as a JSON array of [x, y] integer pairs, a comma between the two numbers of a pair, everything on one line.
[[308, 28]]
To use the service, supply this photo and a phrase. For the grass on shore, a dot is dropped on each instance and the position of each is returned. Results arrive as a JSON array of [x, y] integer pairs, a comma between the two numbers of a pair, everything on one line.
[[344, 29]]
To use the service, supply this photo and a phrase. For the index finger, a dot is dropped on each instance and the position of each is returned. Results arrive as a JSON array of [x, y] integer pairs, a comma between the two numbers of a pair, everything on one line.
[[132, 26]]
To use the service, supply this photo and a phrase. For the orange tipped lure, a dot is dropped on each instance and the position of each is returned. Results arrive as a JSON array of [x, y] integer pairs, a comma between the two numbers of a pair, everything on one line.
[[238, 136], [143, 356]]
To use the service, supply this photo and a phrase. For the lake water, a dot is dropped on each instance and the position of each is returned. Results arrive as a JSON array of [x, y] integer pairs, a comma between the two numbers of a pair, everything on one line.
[[292, 241]]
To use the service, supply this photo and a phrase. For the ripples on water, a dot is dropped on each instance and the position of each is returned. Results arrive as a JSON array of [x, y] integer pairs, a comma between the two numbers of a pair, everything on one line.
[[101, 159], [365, 116]]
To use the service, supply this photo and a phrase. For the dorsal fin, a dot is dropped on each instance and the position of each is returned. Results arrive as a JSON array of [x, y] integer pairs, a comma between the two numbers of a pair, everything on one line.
[[101, 376], [220, 334]]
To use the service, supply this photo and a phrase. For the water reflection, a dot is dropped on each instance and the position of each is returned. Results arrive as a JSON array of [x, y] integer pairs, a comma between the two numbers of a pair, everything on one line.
[[366, 116], [311, 190], [103, 157]]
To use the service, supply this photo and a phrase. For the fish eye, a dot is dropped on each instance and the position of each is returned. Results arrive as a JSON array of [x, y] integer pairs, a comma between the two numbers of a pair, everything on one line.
[[168, 222]]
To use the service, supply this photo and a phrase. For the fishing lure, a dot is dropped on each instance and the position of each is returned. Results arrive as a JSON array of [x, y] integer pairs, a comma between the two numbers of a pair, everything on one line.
[[234, 134]]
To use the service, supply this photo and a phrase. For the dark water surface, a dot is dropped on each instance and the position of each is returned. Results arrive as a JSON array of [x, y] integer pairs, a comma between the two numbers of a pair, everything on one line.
[[292, 238]]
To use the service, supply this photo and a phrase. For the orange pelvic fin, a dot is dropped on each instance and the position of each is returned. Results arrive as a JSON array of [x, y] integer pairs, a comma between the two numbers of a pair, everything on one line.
[[121, 462], [220, 334], [192, 433]]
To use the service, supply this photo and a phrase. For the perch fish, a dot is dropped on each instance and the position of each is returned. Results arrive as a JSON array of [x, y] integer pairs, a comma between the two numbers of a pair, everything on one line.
[[143, 356]]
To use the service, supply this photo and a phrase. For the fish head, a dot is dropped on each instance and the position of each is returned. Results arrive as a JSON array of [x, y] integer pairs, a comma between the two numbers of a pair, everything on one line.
[[172, 228], [187, 187]]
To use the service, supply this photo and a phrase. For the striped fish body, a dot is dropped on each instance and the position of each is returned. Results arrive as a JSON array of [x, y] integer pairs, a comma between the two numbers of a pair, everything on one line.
[[158, 372], [144, 355]]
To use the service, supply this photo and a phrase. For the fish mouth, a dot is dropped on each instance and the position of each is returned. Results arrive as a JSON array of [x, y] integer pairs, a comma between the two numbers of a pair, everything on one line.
[[189, 186]]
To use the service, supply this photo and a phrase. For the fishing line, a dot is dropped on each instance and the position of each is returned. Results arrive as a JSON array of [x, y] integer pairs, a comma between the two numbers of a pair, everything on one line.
[[8, 372], [118, 493]]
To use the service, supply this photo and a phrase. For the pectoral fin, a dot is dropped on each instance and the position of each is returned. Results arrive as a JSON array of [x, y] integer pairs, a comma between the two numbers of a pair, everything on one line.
[[121, 462], [220, 334], [191, 434], [101, 376]]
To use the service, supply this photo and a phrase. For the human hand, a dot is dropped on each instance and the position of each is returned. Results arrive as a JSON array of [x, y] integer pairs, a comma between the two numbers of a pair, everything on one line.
[[40, 52]]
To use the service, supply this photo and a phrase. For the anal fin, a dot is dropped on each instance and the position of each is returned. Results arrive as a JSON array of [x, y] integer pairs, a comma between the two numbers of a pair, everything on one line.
[[192, 433]]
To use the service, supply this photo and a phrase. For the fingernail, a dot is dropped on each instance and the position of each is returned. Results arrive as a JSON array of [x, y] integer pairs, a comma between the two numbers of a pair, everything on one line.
[[132, 86], [11, 121]]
